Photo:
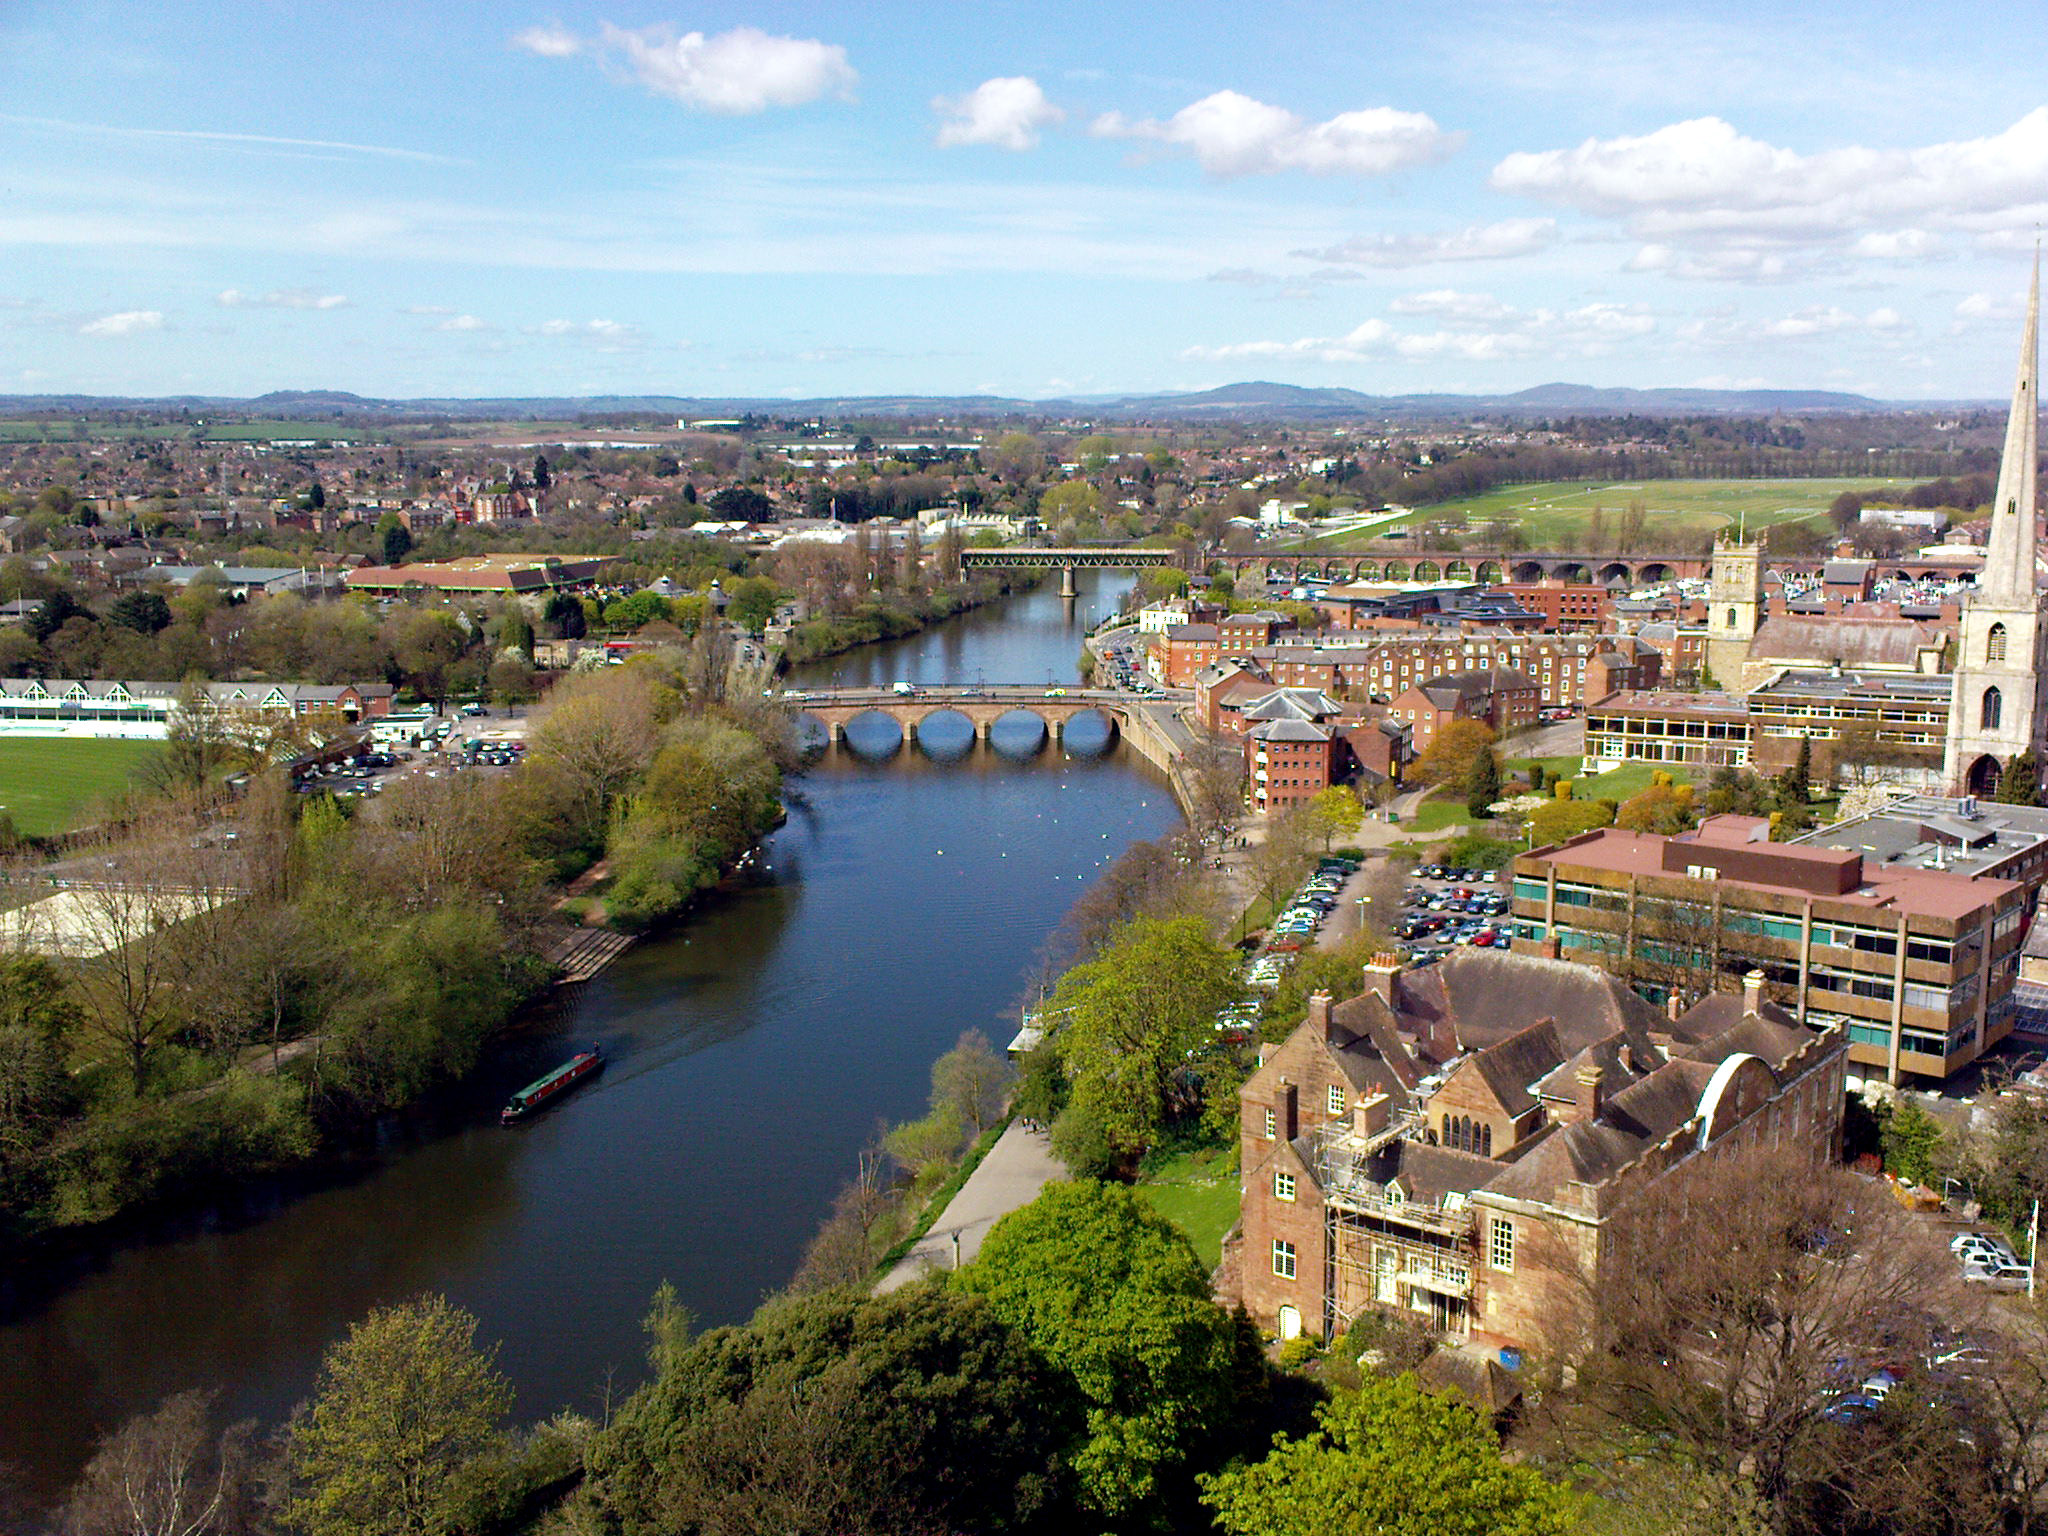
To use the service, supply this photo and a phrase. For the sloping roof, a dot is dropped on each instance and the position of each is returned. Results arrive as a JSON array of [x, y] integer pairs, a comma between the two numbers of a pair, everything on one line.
[[1290, 730], [1427, 1173], [1514, 1066], [1591, 1152], [1853, 642], [1771, 1041], [1489, 996]]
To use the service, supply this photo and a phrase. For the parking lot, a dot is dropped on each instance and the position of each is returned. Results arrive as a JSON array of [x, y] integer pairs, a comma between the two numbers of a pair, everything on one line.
[[458, 742], [1295, 927], [1118, 665], [1446, 907]]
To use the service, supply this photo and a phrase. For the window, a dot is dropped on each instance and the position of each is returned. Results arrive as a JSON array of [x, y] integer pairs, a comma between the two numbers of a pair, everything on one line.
[[1283, 1186], [1336, 1099], [1283, 1258], [1993, 708], [1994, 643], [1272, 1125], [1501, 1244]]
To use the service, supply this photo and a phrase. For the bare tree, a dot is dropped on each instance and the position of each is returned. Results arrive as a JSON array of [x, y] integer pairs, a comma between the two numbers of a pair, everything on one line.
[[971, 1079], [1741, 1292], [167, 1473]]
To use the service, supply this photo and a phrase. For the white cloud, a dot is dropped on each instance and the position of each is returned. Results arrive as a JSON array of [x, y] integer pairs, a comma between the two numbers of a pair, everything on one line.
[[1007, 112], [1231, 134], [1701, 182], [127, 323], [1450, 304], [1982, 306], [280, 298], [428, 309], [552, 41], [737, 72], [1504, 333], [463, 323], [605, 334], [1477, 242], [1721, 328]]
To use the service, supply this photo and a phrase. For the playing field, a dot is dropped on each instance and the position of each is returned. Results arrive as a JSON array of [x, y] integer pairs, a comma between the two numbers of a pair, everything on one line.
[[48, 784], [1557, 514]]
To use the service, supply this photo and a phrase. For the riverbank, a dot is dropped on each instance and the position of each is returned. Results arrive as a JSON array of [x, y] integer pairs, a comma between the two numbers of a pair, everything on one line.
[[896, 616]]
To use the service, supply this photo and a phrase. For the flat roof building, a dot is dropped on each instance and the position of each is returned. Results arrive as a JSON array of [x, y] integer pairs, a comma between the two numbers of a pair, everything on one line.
[[1917, 963], [483, 573]]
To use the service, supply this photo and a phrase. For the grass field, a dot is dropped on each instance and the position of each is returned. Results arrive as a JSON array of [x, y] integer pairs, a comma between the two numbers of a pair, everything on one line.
[[1199, 1197], [1556, 514], [47, 784]]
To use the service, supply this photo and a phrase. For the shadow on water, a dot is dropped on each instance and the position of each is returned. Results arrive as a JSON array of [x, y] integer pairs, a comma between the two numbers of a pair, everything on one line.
[[755, 1051]]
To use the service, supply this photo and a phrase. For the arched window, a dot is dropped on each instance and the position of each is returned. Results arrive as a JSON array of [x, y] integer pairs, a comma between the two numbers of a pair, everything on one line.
[[1994, 643], [1731, 618], [1994, 708], [1450, 1132], [1486, 1140]]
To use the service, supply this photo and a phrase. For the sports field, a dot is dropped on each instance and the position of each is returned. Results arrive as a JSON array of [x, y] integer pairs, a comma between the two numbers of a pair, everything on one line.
[[47, 784], [1557, 514]]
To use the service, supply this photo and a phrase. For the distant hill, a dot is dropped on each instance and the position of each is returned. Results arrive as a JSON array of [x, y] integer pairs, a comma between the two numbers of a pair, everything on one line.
[[1251, 401]]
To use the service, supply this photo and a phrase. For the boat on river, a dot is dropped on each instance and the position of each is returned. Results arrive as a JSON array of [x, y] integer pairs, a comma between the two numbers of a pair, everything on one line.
[[538, 1095]]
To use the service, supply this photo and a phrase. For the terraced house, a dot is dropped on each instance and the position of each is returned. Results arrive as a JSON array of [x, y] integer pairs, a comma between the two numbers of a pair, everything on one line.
[[1915, 963]]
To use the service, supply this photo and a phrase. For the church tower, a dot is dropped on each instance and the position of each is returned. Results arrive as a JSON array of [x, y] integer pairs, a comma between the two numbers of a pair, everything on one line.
[[1734, 609], [1997, 713]]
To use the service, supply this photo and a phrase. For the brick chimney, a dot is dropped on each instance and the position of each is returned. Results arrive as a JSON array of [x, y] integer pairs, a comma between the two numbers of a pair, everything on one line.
[[1380, 973], [1287, 1111], [1591, 1100], [1753, 992], [1673, 1008], [1319, 1013]]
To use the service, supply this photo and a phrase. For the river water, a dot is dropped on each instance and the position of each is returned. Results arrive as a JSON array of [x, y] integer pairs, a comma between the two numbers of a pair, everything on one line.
[[753, 1054]]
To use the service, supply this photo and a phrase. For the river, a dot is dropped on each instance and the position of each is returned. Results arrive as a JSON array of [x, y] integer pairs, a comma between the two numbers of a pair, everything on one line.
[[754, 1053]]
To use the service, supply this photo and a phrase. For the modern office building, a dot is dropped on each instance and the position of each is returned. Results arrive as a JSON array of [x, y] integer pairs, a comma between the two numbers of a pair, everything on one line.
[[1914, 960]]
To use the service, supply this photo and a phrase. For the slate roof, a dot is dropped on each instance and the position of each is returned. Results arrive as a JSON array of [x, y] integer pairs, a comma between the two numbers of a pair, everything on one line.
[[1891, 643]]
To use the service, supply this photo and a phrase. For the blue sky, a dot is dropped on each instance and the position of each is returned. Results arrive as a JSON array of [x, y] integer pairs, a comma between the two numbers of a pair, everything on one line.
[[1026, 199]]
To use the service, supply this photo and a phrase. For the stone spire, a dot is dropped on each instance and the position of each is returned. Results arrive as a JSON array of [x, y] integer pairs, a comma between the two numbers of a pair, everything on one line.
[[2009, 563]]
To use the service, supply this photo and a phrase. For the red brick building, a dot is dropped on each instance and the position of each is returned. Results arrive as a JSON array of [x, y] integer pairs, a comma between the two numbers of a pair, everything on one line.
[[1453, 1144], [1563, 606], [1500, 697]]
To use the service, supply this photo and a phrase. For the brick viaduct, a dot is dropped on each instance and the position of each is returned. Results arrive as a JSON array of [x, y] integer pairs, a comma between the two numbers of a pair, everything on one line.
[[1521, 566]]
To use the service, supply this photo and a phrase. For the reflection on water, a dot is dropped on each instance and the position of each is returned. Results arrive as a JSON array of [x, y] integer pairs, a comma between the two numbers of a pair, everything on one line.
[[752, 1055]]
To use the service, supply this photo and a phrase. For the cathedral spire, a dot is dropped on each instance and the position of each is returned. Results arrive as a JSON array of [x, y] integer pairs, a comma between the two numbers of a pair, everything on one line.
[[2009, 563]]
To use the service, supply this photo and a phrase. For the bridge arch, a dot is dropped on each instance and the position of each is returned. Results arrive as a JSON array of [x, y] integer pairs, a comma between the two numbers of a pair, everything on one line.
[[1655, 571], [1489, 572], [1428, 570], [1572, 574], [1614, 574], [1529, 570], [1457, 570], [1368, 570], [1397, 570]]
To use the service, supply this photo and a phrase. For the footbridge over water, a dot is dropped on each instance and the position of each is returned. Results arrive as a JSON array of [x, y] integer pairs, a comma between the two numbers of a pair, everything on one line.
[[981, 707]]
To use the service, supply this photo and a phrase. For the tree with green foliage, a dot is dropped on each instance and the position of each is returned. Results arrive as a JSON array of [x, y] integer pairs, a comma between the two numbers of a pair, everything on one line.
[[1111, 1294], [144, 612], [2020, 784], [1482, 782], [1452, 752], [1911, 1140], [1795, 784], [543, 476], [564, 614], [1336, 812], [1134, 1017], [394, 539], [403, 1405], [1562, 819], [753, 604], [1390, 1457], [839, 1414]]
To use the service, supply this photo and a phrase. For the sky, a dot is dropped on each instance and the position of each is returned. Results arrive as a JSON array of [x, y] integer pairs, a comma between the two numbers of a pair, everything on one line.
[[1030, 199]]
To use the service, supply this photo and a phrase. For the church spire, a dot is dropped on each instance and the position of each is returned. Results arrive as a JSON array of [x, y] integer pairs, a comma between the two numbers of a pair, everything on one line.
[[2009, 563]]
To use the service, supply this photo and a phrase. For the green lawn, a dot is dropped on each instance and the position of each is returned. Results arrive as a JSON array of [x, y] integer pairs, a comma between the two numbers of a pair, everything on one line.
[[1553, 767], [1199, 1196], [1555, 514], [1437, 815], [47, 784], [1629, 779]]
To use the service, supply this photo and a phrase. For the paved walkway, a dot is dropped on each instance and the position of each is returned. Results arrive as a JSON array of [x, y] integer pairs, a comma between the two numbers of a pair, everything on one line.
[[1017, 1167]]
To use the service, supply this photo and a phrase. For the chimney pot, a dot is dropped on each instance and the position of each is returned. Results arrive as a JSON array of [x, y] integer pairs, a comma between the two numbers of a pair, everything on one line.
[[1753, 992]]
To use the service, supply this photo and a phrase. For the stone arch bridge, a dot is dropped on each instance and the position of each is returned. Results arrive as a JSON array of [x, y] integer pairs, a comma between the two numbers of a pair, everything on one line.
[[834, 708]]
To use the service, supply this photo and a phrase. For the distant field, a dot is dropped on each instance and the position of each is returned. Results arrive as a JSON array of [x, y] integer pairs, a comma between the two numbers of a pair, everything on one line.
[[225, 432], [1558, 512], [47, 785]]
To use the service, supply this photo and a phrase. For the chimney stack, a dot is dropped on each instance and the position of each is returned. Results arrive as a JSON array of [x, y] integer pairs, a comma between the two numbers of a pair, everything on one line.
[[1379, 976], [1319, 1013], [1673, 1008], [1287, 1111], [1591, 1100], [1753, 992]]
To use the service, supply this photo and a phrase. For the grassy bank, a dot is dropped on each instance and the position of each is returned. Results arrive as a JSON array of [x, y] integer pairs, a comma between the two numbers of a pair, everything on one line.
[[1198, 1192]]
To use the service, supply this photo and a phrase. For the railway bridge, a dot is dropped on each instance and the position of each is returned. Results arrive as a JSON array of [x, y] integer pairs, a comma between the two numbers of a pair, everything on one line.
[[834, 708], [1066, 559]]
